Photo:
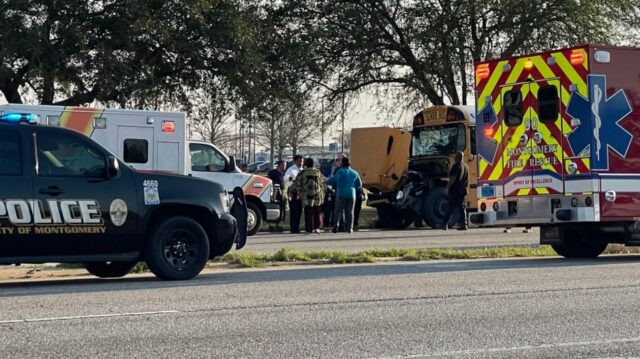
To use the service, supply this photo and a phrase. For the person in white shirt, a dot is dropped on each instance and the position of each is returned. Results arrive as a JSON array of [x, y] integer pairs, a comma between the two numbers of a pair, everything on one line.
[[295, 205]]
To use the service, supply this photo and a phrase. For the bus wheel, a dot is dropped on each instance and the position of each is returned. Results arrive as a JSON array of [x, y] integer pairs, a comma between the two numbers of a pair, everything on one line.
[[435, 207]]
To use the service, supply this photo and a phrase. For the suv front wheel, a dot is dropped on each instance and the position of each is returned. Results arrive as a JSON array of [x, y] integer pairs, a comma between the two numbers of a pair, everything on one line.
[[178, 249]]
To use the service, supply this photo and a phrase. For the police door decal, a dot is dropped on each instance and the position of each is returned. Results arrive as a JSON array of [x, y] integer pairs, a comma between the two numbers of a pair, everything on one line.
[[53, 216]]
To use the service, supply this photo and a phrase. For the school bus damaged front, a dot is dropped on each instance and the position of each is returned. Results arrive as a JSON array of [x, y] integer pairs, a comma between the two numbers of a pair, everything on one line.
[[406, 172]]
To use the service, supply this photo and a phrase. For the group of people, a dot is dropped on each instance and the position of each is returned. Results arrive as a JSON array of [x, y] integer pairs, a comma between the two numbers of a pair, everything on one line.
[[332, 200], [306, 190]]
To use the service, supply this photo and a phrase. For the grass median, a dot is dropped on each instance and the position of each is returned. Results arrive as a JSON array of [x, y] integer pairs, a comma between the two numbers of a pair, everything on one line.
[[290, 256]]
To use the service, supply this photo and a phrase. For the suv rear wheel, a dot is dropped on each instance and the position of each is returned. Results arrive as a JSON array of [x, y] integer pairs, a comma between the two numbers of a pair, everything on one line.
[[109, 269], [178, 249]]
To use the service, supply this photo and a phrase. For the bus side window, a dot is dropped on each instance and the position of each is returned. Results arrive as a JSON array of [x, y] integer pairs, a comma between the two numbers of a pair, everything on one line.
[[512, 102]]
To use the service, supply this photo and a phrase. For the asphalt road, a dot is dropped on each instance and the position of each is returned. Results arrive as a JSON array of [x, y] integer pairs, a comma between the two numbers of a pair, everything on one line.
[[411, 238], [548, 307]]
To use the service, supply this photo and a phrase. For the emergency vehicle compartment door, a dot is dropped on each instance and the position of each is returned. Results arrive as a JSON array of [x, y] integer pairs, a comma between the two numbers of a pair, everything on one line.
[[533, 138], [547, 137], [135, 145], [516, 139]]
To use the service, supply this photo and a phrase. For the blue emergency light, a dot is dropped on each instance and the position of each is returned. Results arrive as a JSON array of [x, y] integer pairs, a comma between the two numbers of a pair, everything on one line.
[[20, 117]]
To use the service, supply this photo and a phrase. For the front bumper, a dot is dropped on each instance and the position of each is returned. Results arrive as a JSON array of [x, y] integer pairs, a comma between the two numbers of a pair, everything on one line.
[[536, 210], [227, 229], [273, 211]]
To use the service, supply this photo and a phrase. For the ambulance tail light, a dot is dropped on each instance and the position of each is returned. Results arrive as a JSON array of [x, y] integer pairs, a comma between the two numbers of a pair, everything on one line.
[[577, 57], [482, 71], [488, 132], [168, 126]]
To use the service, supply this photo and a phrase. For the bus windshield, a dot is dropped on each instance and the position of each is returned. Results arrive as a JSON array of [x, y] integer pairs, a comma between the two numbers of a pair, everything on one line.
[[438, 140]]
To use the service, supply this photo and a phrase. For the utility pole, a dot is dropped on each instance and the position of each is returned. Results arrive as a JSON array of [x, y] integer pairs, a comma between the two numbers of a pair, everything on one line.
[[322, 130], [342, 117]]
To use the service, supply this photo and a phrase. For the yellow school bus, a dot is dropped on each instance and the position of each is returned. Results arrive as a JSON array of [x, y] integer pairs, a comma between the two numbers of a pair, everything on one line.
[[406, 172]]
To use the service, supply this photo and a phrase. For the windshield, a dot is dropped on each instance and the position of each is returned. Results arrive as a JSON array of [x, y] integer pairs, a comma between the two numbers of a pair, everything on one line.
[[438, 140]]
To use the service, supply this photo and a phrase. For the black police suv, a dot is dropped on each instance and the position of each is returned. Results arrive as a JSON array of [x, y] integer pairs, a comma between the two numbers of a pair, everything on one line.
[[63, 198]]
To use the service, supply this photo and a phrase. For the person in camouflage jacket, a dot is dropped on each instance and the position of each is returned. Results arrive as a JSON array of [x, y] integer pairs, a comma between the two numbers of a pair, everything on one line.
[[311, 186]]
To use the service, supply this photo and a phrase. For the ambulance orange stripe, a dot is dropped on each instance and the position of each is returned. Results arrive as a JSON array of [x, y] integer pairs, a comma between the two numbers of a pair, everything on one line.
[[79, 119]]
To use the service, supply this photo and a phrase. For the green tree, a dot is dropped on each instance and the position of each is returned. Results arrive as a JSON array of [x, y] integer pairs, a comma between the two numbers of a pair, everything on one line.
[[428, 46]]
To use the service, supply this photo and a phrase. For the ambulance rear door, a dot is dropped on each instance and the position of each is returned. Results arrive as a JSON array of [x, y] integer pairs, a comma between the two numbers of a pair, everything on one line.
[[532, 135]]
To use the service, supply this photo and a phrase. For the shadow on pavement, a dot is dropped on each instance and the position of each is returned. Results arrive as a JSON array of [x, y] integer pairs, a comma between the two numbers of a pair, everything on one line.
[[86, 285]]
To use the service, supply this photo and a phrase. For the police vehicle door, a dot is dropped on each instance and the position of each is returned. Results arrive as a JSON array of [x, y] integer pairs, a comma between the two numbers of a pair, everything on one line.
[[16, 192], [84, 212]]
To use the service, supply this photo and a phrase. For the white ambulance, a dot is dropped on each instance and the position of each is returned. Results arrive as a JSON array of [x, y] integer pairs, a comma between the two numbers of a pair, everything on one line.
[[157, 141]]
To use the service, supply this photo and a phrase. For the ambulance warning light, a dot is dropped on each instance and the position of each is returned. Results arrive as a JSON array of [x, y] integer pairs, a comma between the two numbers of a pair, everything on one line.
[[168, 126]]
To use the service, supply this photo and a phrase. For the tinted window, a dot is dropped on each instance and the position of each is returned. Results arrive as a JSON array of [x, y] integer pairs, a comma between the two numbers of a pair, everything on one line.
[[10, 159], [205, 158], [63, 154], [136, 151], [512, 102], [548, 104]]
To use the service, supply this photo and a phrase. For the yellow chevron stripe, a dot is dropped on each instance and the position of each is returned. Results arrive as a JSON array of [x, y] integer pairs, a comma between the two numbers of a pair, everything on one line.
[[491, 83], [571, 73], [542, 190], [550, 140], [523, 191]]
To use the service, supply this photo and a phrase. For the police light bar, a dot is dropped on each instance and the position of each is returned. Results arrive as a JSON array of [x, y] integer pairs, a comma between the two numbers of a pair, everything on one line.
[[20, 117]]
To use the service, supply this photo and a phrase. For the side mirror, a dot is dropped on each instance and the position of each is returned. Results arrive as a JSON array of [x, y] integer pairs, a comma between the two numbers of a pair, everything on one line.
[[231, 165], [113, 167]]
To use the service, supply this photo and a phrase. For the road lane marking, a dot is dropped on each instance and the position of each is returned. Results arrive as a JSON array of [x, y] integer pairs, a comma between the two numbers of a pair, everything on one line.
[[89, 316], [520, 348]]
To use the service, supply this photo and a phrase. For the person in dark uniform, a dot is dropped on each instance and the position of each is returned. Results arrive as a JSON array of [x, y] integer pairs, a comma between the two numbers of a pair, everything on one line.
[[293, 193], [457, 188], [276, 176]]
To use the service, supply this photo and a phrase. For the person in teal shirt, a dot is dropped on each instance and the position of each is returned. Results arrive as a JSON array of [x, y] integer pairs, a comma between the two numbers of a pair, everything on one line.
[[346, 181]]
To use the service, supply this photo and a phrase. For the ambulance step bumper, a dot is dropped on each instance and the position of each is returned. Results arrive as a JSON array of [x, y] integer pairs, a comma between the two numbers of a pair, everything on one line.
[[273, 211]]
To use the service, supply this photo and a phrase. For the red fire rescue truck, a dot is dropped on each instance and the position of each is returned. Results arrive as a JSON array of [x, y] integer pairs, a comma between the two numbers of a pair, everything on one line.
[[558, 138]]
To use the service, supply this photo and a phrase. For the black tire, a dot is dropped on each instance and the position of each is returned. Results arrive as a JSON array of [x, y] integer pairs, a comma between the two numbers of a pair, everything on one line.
[[581, 243], [435, 207], [254, 219], [178, 249], [109, 269]]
